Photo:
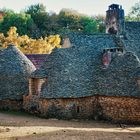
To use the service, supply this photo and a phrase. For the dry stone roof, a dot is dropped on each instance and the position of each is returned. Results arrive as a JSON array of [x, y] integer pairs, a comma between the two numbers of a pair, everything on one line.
[[117, 79], [132, 41], [15, 67], [39, 73], [78, 71], [136, 74]]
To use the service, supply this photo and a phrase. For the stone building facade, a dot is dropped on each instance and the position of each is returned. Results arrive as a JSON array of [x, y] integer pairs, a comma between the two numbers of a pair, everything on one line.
[[111, 108], [93, 76], [78, 84], [15, 69]]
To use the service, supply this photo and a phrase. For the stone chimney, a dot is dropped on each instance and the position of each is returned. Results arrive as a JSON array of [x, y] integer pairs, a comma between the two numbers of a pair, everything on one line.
[[115, 22]]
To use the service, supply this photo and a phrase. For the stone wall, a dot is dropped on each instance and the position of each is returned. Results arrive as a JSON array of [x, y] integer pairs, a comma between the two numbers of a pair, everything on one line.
[[15, 105], [80, 108], [120, 109], [115, 109]]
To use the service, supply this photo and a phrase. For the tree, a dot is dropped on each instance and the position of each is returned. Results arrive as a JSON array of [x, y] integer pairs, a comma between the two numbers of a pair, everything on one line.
[[89, 25], [53, 26], [69, 19], [28, 45], [40, 17], [134, 14], [23, 22], [100, 19], [7, 11]]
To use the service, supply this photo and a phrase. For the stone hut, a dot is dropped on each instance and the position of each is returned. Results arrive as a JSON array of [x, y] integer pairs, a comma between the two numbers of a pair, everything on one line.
[[14, 70], [92, 79], [95, 77]]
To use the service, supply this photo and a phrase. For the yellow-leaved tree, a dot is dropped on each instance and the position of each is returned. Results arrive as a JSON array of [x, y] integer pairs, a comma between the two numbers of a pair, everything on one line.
[[28, 45]]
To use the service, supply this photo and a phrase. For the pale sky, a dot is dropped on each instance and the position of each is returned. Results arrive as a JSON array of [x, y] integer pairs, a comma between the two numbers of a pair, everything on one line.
[[90, 7]]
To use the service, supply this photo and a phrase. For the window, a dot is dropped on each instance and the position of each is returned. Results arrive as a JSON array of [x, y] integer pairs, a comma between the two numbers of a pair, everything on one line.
[[113, 50], [79, 109], [120, 50]]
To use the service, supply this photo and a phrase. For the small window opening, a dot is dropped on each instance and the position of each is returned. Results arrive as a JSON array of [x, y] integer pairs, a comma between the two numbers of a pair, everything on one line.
[[113, 50], [79, 109], [120, 50]]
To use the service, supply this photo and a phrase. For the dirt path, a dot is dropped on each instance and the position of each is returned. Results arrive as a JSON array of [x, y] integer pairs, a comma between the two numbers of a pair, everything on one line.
[[19, 127]]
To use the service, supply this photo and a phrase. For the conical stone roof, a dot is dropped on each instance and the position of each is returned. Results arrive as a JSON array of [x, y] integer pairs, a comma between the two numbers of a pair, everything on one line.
[[15, 68]]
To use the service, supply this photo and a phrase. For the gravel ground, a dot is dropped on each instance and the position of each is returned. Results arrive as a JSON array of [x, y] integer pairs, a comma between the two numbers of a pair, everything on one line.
[[27, 127]]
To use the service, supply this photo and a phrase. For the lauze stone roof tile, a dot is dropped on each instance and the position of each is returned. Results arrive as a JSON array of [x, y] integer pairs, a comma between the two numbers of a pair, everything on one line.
[[79, 72], [15, 68]]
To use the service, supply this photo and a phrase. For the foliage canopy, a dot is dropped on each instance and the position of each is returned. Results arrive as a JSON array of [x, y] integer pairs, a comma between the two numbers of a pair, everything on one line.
[[28, 45]]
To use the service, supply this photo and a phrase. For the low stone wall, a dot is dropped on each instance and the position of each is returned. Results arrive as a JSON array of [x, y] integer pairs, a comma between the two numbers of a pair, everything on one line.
[[115, 109], [14, 105], [120, 109], [81, 108]]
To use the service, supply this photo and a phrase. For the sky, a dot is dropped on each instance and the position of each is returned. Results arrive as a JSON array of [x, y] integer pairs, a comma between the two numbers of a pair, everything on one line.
[[89, 7]]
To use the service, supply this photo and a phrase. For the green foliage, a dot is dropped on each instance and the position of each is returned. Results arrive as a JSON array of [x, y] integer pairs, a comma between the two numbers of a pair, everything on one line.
[[101, 27], [134, 14], [23, 22], [91, 27], [69, 19], [100, 23], [36, 22], [40, 17], [53, 26], [35, 9], [7, 11], [88, 24], [92, 24]]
